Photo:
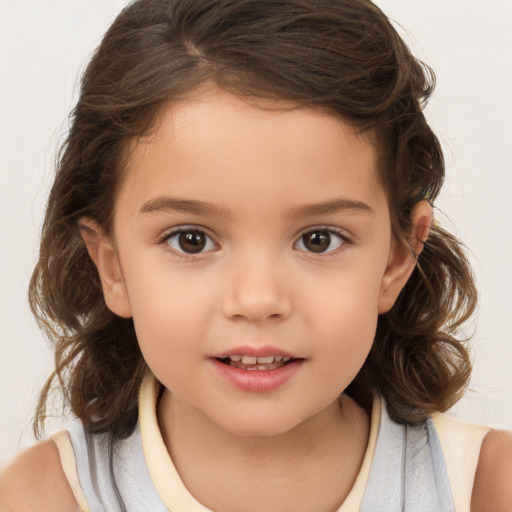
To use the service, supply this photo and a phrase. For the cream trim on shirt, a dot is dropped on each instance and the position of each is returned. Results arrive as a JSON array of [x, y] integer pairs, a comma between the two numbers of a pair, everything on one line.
[[68, 462], [354, 499], [165, 477], [461, 443]]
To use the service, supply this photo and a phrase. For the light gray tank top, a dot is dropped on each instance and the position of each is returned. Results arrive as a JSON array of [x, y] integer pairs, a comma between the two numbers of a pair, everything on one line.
[[408, 472]]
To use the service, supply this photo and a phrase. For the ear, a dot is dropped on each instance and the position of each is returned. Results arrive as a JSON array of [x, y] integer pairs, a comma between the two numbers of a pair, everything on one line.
[[104, 255], [403, 257]]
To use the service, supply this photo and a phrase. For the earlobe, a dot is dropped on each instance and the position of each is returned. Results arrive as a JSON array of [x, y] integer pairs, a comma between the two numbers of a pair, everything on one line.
[[103, 253], [403, 258]]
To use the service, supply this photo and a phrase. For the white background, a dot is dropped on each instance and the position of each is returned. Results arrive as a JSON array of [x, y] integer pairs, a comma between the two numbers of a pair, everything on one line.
[[43, 48]]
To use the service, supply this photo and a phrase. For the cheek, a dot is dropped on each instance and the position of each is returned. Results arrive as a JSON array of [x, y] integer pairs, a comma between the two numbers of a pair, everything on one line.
[[345, 352], [169, 334], [169, 311], [349, 331], [345, 315], [348, 295]]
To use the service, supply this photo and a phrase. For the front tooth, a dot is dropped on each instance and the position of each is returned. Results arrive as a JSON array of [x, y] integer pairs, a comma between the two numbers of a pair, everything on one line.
[[265, 360], [235, 358], [249, 360]]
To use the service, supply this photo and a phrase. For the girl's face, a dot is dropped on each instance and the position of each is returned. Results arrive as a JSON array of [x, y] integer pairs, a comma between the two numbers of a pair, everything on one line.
[[260, 234]]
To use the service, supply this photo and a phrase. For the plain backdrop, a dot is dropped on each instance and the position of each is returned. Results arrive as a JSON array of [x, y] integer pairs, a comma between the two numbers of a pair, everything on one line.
[[44, 46]]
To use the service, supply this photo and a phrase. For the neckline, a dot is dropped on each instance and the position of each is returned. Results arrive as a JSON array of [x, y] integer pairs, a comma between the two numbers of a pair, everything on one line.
[[165, 477]]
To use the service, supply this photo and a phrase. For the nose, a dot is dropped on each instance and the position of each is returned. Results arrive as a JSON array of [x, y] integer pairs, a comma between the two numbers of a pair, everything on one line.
[[256, 290]]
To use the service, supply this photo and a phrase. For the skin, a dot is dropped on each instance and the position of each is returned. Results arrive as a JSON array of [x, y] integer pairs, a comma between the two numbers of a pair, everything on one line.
[[254, 284], [36, 481], [257, 282], [267, 176]]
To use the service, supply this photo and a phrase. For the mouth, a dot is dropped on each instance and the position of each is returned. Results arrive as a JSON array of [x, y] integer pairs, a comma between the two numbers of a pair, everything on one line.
[[251, 363], [257, 370]]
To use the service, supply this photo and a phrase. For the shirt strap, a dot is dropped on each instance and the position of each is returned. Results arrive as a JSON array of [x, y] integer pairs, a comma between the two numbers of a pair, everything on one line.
[[460, 443], [68, 462]]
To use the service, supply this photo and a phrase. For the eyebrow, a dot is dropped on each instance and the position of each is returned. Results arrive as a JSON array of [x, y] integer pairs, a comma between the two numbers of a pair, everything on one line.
[[329, 207], [165, 203]]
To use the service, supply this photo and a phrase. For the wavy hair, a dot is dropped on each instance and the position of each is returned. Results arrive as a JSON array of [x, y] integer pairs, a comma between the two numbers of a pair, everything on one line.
[[343, 56]]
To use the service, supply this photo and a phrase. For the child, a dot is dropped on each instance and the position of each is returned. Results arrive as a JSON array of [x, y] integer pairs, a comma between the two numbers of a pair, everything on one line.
[[251, 306]]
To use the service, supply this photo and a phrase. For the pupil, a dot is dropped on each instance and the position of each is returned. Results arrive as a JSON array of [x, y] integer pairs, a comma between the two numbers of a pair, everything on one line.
[[317, 241], [192, 241]]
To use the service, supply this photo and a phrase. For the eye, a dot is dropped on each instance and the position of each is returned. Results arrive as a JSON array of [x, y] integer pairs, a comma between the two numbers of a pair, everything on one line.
[[320, 240], [189, 241]]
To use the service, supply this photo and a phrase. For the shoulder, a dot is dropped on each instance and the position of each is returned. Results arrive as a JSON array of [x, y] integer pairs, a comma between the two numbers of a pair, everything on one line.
[[492, 490], [35, 481]]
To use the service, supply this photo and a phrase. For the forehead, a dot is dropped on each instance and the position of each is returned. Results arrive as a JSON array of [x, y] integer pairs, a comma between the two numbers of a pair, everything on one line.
[[217, 144]]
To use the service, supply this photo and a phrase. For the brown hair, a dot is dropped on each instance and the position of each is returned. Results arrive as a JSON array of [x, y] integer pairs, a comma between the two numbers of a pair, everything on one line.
[[343, 56]]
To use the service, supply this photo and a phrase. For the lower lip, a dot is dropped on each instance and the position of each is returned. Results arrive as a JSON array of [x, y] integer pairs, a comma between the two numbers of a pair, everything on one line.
[[257, 380]]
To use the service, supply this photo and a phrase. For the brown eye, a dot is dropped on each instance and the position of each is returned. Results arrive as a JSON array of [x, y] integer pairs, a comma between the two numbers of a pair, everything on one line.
[[317, 241], [190, 241], [320, 241]]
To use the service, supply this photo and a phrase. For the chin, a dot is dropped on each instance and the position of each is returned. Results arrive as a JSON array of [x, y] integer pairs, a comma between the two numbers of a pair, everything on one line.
[[262, 426]]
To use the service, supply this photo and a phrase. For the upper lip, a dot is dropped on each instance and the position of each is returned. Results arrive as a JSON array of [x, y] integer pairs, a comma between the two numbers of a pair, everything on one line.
[[246, 350]]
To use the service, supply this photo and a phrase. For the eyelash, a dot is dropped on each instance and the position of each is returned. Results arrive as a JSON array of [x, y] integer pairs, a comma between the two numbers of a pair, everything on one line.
[[344, 240], [173, 234]]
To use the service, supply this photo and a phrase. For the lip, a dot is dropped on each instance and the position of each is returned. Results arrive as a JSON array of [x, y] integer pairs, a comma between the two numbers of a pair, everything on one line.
[[257, 381], [262, 351]]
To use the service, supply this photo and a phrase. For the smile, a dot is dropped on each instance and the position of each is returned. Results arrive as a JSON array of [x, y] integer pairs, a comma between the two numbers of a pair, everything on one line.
[[262, 372], [249, 363]]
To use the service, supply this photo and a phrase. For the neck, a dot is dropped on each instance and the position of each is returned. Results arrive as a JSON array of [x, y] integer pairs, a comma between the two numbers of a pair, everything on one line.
[[313, 464]]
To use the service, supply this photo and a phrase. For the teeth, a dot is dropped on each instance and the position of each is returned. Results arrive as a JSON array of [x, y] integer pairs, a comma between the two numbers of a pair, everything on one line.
[[257, 363], [262, 367], [265, 360], [259, 360]]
